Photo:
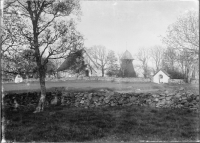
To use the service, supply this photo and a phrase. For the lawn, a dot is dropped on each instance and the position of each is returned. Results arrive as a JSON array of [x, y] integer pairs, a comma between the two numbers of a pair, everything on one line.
[[87, 85], [61, 124]]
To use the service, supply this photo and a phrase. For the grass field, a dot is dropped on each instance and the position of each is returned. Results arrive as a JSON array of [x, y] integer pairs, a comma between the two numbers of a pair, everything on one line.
[[62, 124], [86, 85]]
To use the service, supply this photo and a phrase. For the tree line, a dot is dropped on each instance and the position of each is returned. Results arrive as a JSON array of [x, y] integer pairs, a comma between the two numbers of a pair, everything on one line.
[[180, 54]]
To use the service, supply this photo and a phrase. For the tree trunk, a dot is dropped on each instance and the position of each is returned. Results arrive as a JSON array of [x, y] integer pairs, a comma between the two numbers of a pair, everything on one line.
[[102, 72], [41, 103], [187, 75], [145, 75]]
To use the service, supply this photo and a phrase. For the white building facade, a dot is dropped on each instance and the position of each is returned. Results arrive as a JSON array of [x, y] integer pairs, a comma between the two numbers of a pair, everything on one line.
[[161, 77]]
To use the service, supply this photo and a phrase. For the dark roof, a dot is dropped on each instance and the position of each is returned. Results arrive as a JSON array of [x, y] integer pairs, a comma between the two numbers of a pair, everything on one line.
[[163, 72], [127, 55], [64, 66]]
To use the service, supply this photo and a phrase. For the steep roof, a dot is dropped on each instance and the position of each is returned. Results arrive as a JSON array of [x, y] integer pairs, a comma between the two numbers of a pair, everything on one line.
[[64, 66], [127, 55], [163, 72]]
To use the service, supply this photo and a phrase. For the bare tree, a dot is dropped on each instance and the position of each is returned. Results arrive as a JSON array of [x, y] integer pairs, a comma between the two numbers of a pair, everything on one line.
[[100, 57], [170, 58], [144, 56], [47, 31], [183, 35], [119, 55], [189, 66], [156, 54]]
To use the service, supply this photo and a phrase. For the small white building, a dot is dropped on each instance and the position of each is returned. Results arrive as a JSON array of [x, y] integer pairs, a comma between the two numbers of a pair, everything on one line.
[[161, 77], [18, 79]]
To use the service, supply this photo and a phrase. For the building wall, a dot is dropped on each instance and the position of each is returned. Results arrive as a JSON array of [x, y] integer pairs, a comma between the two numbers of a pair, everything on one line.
[[127, 68], [165, 78]]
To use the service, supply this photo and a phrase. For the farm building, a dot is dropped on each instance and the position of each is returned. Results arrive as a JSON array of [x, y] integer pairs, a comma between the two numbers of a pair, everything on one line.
[[127, 65], [161, 77]]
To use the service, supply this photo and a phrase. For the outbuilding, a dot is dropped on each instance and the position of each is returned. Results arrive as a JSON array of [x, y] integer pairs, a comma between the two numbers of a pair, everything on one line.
[[18, 79], [161, 77]]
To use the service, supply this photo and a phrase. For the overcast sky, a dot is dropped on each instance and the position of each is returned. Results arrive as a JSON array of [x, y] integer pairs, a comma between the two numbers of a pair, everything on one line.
[[121, 25]]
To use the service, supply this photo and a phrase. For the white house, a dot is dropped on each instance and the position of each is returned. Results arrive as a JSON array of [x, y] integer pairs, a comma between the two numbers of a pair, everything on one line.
[[161, 77], [18, 79]]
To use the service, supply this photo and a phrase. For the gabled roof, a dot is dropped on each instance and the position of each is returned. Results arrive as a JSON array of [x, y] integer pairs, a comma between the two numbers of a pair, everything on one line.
[[127, 55], [90, 57], [163, 72], [65, 65]]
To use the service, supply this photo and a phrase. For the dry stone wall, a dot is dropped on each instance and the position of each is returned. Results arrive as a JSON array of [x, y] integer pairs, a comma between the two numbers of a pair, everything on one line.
[[103, 98], [108, 98]]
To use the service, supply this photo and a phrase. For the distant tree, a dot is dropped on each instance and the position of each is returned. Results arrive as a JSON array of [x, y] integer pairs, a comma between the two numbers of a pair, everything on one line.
[[156, 54], [24, 63], [183, 35], [119, 56], [187, 62], [169, 58], [113, 67], [143, 56], [100, 57]]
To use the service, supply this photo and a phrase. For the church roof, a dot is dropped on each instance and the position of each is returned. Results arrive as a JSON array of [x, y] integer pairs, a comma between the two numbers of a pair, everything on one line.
[[65, 65], [127, 55]]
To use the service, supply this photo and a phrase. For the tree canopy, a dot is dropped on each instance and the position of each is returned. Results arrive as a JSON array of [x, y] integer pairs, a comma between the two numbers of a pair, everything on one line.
[[184, 33], [48, 28], [183, 37]]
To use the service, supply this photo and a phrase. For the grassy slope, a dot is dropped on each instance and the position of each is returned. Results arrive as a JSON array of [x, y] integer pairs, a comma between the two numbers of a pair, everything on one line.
[[58, 124]]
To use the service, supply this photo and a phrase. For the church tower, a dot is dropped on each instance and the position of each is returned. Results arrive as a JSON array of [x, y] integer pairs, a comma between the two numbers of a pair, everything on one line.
[[127, 69]]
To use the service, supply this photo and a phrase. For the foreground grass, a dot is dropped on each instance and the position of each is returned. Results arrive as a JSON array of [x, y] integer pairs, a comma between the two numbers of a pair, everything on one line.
[[61, 124]]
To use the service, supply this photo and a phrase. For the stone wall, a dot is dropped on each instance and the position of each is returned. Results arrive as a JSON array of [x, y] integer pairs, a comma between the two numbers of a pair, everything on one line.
[[103, 98], [178, 99], [177, 81]]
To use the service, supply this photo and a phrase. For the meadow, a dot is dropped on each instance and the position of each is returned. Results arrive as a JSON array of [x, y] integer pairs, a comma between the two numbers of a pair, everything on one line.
[[62, 124], [102, 124], [87, 85]]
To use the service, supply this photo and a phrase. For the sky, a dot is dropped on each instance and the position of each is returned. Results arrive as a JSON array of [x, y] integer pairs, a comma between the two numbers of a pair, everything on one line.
[[129, 25]]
